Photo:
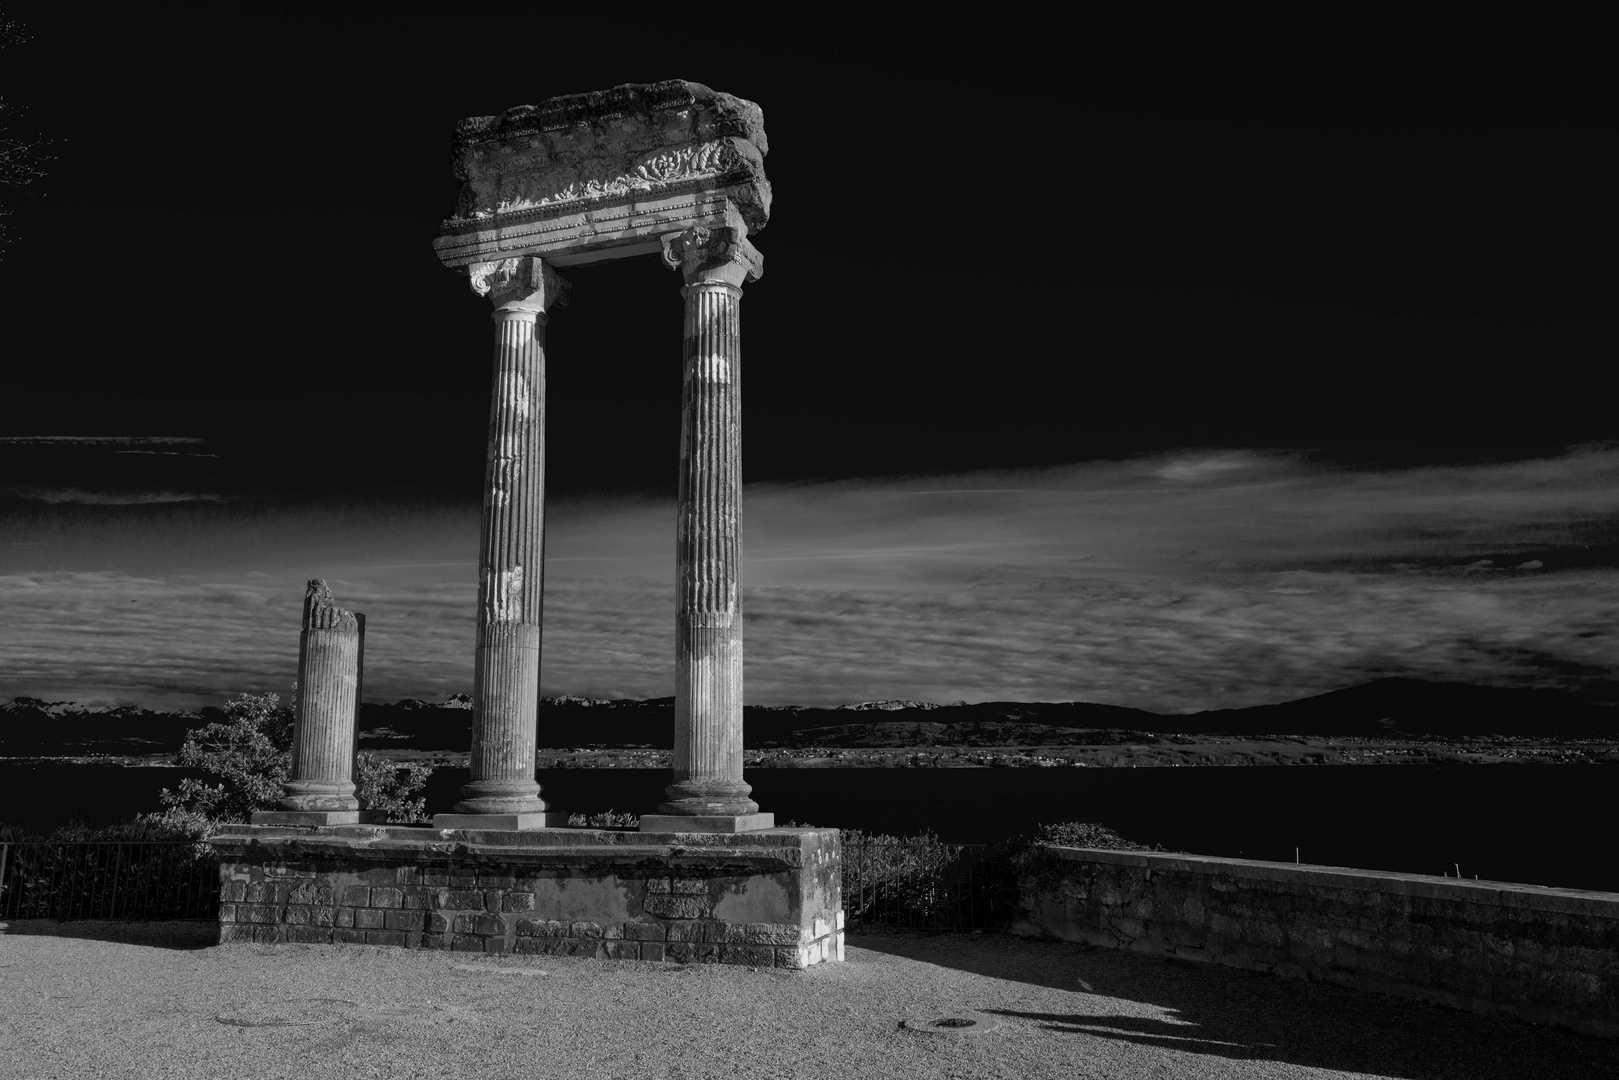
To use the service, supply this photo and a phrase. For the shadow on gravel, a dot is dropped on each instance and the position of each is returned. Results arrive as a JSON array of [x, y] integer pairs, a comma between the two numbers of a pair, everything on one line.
[[1251, 1016], [161, 935]]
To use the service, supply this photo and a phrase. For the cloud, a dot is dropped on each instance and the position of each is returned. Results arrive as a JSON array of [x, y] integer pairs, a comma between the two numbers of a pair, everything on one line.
[[1173, 583]]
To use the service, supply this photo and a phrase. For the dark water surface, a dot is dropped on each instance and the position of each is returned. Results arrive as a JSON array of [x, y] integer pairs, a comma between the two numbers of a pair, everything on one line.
[[1542, 824]]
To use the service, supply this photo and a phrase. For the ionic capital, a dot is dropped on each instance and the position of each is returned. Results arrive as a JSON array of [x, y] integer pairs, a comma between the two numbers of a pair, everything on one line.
[[524, 284], [721, 255]]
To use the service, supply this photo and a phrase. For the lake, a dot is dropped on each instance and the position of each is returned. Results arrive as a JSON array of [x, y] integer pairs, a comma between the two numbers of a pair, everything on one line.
[[1541, 824]]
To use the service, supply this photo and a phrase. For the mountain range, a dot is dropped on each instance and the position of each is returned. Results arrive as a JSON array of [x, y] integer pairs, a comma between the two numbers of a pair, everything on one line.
[[1391, 708]]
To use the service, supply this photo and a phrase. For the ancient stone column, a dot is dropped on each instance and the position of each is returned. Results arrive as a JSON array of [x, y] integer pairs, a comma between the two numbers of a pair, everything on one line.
[[511, 568], [320, 790], [708, 793]]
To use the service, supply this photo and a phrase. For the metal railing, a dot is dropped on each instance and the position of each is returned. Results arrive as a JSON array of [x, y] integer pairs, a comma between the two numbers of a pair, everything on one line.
[[123, 879], [922, 885]]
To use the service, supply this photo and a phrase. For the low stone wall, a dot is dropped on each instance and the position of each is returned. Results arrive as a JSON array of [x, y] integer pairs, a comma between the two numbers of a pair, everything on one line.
[[1546, 955], [768, 899]]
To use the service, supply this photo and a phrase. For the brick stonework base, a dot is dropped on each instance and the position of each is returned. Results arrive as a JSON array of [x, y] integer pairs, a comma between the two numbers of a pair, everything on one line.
[[765, 899]]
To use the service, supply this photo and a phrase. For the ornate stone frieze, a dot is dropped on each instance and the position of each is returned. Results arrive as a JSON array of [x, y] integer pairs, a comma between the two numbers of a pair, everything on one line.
[[587, 177]]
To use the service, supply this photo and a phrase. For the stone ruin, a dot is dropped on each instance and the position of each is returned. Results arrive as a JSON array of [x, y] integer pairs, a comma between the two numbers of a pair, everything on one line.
[[671, 169]]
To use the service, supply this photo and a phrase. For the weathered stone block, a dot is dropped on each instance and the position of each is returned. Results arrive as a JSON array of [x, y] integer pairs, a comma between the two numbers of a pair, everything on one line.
[[404, 919], [227, 913], [309, 935], [623, 950], [641, 931], [584, 930], [687, 886], [791, 958], [497, 881], [384, 937], [460, 899], [233, 890], [387, 897], [652, 951], [435, 876], [356, 896], [771, 934], [530, 946], [257, 913], [517, 901], [485, 923], [408, 875], [368, 918], [342, 936], [547, 928], [432, 941], [466, 943], [255, 892], [344, 917], [296, 915], [418, 897], [233, 933], [464, 879], [307, 892], [660, 886]]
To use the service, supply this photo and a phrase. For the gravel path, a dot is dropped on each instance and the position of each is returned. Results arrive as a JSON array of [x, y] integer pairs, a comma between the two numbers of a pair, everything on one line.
[[156, 1001]]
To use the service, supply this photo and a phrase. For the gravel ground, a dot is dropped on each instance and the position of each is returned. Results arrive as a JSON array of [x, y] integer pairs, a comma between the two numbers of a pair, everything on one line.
[[114, 1000]]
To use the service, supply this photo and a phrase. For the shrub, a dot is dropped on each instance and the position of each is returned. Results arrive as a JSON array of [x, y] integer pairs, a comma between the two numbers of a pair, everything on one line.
[[605, 820], [250, 754]]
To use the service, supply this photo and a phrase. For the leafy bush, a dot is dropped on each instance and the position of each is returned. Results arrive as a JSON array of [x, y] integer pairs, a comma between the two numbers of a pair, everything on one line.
[[250, 753], [605, 820]]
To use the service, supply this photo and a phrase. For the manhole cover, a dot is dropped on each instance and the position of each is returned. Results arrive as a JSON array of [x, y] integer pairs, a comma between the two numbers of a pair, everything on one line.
[[301, 1013], [957, 1024]]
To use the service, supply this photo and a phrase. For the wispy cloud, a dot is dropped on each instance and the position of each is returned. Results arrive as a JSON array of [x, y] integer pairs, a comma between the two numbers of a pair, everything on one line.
[[1174, 583]]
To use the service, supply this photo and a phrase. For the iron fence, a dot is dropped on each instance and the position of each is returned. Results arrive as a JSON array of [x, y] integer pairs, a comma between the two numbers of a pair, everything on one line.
[[124, 879], [923, 885]]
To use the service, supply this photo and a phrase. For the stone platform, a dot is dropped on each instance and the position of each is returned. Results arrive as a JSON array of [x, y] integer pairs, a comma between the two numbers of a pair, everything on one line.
[[765, 899]]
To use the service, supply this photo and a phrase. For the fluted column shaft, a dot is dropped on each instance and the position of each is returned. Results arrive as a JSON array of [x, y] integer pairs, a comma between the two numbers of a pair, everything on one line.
[[329, 650], [708, 539], [511, 574]]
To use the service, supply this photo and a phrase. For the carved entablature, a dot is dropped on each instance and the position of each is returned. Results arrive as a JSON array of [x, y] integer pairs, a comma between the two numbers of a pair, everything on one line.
[[589, 177], [321, 611]]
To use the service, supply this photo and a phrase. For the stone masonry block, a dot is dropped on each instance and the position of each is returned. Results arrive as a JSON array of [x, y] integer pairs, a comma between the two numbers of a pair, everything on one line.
[[310, 893], [255, 892], [751, 955], [585, 948], [770, 934], [345, 917], [659, 885], [497, 881], [685, 931], [790, 958], [517, 901], [233, 890], [584, 930], [322, 916], [356, 896], [529, 946], [227, 912], [309, 935], [485, 923], [435, 876], [437, 922], [676, 907], [266, 935], [547, 928], [432, 941], [732, 934], [460, 899], [234, 933], [384, 937], [462, 923], [623, 950], [257, 913], [407, 875], [691, 952], [418, 897], [464, 879], [652, 951], [644, 931], [368, 919], [689, 886], [387, 897], [342, 936], [297, 915], [466, 943], [404, 919], [496, 944]]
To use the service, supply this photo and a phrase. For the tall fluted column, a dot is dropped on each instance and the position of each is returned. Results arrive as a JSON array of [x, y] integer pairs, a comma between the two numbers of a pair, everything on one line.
[[511, 559], [708, 793], [320, 790]]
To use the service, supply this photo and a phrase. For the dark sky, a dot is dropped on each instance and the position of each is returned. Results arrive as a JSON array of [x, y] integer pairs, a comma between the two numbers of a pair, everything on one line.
[[1008, 244]]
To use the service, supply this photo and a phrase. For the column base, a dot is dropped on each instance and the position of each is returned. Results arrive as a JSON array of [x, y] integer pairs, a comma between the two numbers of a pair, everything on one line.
[[318, 817], [706, 823], [549, 819]]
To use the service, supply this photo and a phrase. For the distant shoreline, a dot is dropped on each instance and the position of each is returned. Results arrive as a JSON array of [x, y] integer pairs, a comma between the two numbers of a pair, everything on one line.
[[1198, 751]]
